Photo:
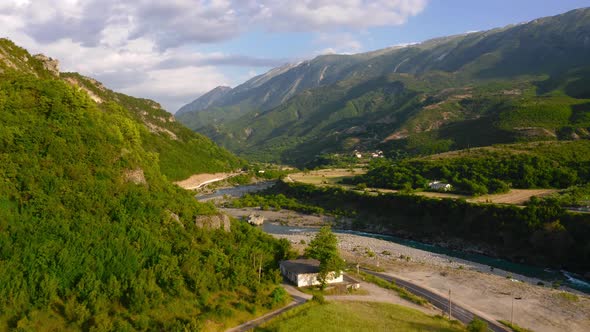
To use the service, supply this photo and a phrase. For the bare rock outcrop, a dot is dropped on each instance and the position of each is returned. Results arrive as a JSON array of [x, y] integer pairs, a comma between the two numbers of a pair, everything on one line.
[[74, 82], [135, 175], [51, 65], [216, 221], [176, 218], [157, 129], [256, 220]]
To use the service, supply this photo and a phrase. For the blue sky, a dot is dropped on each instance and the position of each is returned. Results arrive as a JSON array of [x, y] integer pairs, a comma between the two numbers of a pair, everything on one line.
[[439, 18], [176, 50]]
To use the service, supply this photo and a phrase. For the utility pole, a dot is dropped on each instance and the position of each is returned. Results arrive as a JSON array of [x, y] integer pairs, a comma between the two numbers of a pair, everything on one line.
[[257, 267], [450, 304], [260, 270], [358, 272], [512, 311]]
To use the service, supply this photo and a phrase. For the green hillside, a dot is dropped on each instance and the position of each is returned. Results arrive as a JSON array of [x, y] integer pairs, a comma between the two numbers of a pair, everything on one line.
[[181, 151], [526, 82], [403, 113], [92, 235], [489, 170]]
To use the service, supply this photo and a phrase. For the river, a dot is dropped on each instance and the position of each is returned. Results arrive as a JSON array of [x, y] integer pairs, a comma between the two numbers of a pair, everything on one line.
[[548, 275]]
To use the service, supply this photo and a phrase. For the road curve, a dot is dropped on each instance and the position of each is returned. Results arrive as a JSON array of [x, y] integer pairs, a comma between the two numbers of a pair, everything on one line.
[[463, 315], [250, 325], [299, 298]]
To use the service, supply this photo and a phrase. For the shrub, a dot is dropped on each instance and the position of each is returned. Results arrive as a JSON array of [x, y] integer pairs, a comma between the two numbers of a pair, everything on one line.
[[278, 296], [477, 325], [319, 298]]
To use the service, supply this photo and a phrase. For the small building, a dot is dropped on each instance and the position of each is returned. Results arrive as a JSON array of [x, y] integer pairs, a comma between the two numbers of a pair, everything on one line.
[[377, 154], [255, 220], [304, 272], [440, 186]]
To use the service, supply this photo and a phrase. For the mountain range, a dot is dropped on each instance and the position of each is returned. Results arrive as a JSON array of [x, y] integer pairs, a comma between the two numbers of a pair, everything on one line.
[[517, 83]]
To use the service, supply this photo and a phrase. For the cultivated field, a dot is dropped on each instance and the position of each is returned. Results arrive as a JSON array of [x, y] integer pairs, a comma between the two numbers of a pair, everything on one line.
[[514, 196], [326, 176], [331, 177]]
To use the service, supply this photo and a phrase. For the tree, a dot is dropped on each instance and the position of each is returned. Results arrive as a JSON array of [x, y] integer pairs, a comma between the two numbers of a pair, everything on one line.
[[324, 247]]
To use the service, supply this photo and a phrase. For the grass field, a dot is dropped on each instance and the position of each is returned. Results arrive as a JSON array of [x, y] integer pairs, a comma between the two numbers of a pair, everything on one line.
[[332, 177], [357, 316], [326, 176]]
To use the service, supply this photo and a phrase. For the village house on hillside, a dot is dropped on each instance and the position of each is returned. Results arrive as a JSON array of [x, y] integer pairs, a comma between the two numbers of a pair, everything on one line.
[[440, 186], [377, 154], [304, 272]]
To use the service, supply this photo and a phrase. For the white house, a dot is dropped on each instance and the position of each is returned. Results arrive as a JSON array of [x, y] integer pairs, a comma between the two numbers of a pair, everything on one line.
[[304, 272], [440, 186], [377, 154]]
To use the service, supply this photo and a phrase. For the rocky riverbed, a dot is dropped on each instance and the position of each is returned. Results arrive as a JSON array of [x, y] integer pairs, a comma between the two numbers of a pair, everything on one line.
[[478, 286]]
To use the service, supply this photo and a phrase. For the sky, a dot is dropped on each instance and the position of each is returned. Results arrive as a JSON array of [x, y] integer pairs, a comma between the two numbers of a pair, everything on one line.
[[174, 51]]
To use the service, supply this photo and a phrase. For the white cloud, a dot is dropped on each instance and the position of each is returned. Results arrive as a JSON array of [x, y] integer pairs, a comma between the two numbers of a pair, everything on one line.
[[406, 44], [338, 43], [149, 48], [320, 14], [172, 88], [177, 22]]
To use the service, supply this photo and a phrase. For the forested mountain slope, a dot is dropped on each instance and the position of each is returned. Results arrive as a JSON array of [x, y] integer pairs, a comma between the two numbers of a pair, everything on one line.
[[92, 235], [269, 90], [521, 82], [181, 151]]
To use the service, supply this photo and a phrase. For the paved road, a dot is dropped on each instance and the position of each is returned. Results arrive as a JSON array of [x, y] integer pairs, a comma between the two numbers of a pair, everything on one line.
[[441, 302], [299, 298], [250, 325]]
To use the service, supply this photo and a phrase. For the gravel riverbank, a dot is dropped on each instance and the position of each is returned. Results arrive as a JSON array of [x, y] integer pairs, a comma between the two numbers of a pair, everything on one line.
[[490, 291], [477, 286]]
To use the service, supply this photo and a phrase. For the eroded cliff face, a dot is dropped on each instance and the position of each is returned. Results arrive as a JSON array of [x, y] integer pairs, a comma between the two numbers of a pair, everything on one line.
[[217, 221], [16, 59], [50, 64]]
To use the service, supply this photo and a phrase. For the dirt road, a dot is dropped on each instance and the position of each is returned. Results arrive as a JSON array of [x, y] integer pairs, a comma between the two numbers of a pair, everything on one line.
[[198, 180]]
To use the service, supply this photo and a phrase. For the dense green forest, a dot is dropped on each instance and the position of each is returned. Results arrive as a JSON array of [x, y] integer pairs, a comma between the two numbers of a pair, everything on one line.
[[488, 170], [277, 202], [93, 236], [541, 233]]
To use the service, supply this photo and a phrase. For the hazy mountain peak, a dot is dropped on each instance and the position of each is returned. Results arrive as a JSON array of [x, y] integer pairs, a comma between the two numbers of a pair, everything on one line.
[[205, 100]]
